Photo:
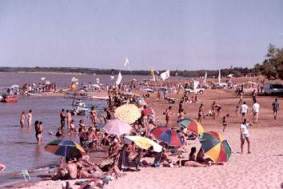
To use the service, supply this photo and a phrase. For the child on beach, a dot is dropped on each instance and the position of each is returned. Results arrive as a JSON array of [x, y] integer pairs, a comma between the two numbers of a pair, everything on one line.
[[275, 108], [244, 110], [224, 122], [244, 129], [256, 108]]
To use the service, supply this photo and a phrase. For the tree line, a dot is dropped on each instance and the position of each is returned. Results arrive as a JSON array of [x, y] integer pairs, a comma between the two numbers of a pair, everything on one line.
[[271, 67]]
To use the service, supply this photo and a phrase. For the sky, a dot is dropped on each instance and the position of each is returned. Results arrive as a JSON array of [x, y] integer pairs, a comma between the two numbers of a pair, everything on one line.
[[152, 34]]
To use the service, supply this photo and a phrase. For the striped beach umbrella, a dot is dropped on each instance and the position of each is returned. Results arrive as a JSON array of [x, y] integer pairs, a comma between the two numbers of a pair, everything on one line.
[[215, 147], [192, 125], [66, 148], [168, 136]]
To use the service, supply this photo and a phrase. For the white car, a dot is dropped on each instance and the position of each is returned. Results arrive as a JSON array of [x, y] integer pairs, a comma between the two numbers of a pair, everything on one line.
[[196, 91], [273, 89]]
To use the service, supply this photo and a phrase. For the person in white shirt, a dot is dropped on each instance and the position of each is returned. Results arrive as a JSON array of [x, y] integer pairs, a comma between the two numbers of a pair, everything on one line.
[[256, 108], [244, 130], [244, 110]]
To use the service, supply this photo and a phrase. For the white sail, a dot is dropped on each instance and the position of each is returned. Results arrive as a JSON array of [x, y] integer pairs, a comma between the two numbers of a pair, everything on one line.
[[119, 78], [126, 62]]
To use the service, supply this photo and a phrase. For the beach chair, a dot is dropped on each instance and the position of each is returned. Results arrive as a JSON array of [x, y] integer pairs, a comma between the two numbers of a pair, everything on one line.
[[25, 174]]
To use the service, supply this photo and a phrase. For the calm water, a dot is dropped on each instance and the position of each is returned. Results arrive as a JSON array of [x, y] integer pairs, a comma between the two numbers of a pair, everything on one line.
[[17, 146]]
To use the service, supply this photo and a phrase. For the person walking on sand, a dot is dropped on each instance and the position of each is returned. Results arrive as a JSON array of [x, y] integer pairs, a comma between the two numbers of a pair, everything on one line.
[[22, 119], [29, 118], [244, 110], [244, 130], [62, 119], [224, 122], [275, 107], [256, 108]]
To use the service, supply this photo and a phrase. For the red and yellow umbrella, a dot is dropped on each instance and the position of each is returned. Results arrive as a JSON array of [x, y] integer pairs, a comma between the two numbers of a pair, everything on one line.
[[191, 125], [215, 147]]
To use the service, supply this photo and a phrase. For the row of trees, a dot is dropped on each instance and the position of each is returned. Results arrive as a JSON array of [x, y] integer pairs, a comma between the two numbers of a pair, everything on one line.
[[237, 72], [272, 66]]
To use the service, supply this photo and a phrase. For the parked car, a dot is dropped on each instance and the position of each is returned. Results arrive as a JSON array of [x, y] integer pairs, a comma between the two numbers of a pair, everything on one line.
[[273, 89]]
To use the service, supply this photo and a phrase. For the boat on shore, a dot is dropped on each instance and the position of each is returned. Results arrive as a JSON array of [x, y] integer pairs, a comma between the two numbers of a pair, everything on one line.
[[9, 99]]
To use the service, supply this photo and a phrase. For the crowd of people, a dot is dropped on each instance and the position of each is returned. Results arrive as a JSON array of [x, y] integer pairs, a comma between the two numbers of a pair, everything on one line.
[[123, 155]]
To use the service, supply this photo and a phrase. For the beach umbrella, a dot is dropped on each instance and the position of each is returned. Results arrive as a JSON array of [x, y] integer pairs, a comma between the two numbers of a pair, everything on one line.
[[128, 113], [168, 136], [117, 127], [66, 148], [145, 143], [215, 147], [15, 86], [191, 125]]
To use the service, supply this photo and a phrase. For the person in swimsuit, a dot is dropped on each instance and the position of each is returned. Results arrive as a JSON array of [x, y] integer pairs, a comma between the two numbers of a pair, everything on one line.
[[38, 131], [22, 119], [167, 114], [29, 118], [62, 118]]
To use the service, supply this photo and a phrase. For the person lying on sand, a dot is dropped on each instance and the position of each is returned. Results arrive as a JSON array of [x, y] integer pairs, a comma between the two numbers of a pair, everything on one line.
[[191, 162]]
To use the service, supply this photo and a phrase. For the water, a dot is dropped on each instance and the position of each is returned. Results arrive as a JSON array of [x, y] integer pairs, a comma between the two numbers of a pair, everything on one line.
[[18, 146], [62, 80]]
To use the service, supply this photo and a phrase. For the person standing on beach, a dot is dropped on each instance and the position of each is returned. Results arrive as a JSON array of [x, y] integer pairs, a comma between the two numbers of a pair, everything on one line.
[[224, 122], [29, 118], [275, 107], [22, 119], [69, 119], [200, 113], [62, 119], [256, 108], [244, 130], [244, 110], [168, 114], [93, 116]]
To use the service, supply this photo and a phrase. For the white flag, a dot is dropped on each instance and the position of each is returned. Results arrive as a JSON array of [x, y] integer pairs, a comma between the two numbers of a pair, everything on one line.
[[165, 75], [119, 78], [195, 85], [126, 62], [205, 77]]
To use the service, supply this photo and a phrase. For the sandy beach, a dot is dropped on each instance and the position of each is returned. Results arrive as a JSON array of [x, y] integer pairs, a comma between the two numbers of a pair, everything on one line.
[[262, 168]]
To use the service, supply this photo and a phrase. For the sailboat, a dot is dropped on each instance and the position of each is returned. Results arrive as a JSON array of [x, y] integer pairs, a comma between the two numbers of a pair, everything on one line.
[[221, 84]]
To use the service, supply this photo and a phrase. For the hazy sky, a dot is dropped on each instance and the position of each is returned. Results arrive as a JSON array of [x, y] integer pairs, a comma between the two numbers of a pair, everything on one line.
[[159, 34]]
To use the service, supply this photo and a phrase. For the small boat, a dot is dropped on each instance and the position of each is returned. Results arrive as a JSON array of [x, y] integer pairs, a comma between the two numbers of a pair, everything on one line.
[[10, 99]]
